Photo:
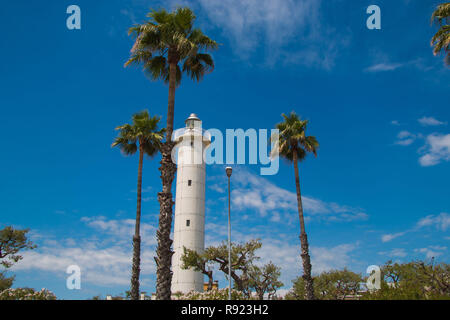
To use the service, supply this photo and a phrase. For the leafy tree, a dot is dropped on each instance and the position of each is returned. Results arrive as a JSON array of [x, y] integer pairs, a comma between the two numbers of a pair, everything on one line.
[[441, 40], [166, 41], [144, 136], [337, 284], [192, 259], [245, 274], [11, 242], [5, 282], [330, 285], [293, 145], [242, 258], [265, 280], [415, 280]]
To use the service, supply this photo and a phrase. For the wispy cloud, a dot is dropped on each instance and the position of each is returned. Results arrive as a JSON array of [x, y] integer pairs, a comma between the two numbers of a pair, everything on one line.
[[405, 138], [436, 150], [439, 222], [397, 252], [432, 251], [391, 236], [254, 192], [106, 261], [385, 66], [270, 26], [430, 121], [286, 255]]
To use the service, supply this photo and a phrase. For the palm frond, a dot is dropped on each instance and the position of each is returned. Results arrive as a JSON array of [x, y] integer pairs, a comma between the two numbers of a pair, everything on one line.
[[292, 138], [198, 65], [157, 68], [184, 20], [201, 40], [442, 13], [171, 36], [143, 131]]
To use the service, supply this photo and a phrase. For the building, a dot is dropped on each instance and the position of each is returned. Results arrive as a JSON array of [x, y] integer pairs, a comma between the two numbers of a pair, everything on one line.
[[215, 285], [189, 225]]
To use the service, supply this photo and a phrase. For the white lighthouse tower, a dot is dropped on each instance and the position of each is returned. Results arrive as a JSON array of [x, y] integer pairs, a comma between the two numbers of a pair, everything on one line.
[[189, 225]]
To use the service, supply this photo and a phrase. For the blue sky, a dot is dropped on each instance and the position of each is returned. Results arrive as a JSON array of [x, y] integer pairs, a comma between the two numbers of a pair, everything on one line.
[[377, 101]]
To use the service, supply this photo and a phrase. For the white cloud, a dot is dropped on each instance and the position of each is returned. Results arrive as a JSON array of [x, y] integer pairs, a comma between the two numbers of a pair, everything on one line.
[[398, 252], [104, 262], [432, 251], [254, 192], [337, 257], [441, 221], [216, 187], [437, 149], [385, 66], [395, 123], [405, 138], [430, 121], [271, 26], [286, 255], [389, 237]]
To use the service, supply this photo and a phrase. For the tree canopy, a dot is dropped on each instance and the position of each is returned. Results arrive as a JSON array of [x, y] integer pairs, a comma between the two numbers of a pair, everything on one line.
[[244, 272], [416, 280], [170, 37], [441, 40], [11, 242]]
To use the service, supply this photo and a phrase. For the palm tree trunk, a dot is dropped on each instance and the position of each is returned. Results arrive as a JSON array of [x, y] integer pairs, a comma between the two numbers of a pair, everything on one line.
[[168, 168], [309, 289], [137, 238]]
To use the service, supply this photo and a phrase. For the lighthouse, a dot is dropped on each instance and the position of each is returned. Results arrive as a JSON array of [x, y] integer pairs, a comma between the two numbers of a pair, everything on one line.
[[189, 225]]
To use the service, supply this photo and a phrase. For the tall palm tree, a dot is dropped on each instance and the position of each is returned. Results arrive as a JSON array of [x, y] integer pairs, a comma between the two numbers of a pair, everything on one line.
[[144, 136], [293, 144], [441, 40], [167, 46]]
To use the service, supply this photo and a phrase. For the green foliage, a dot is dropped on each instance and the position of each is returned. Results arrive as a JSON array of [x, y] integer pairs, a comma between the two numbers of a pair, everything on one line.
[[192, 259], [415, 280], [265, 280], [337, 284], [245, 274], [143, 130], [292, 138], [441, 40], [26, 294], [331, 285], [170, 37], [5, 282], [11, 242]]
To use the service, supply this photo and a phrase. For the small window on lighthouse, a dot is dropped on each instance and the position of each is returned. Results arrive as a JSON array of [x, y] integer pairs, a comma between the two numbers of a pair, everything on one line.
[[188, 223], [189, 182]]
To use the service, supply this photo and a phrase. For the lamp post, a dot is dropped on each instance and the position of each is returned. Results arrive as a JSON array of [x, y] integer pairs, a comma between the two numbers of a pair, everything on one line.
[[228, 171]]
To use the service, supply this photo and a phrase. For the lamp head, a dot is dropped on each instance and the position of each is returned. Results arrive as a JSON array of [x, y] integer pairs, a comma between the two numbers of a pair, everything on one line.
[[228, 171]]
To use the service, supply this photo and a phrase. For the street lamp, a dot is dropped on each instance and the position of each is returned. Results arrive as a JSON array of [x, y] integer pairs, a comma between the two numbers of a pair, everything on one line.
[[228, 171]]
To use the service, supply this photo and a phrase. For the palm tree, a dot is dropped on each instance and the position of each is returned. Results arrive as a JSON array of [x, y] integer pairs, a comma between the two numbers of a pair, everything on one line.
[[441, 40], [293, 144], [163, 44], [143, 135]]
